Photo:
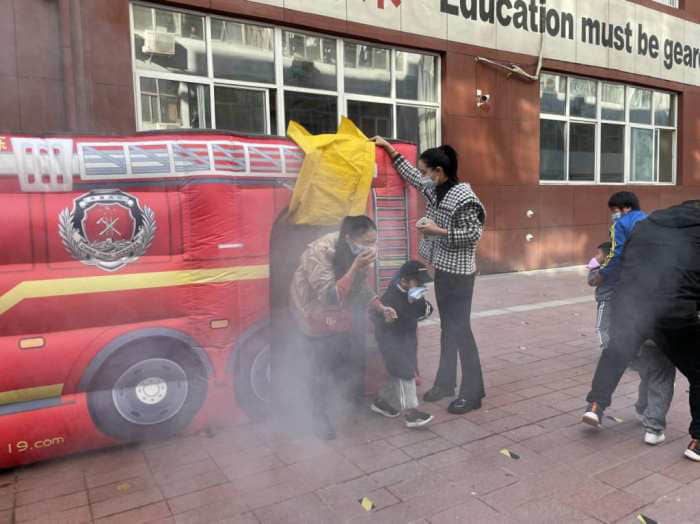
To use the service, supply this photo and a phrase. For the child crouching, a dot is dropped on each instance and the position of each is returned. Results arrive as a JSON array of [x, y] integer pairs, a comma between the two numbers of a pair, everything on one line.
[[398, 344]]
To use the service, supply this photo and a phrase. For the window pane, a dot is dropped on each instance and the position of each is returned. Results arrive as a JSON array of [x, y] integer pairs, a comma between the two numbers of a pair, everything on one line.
[[581, 152], [417, 125], [612, 103], [241, 110], [665, 154], [174, 104], [612, 148], [663, 110], [367, 70], [143, 18], [583, 98], [553, 94], [242, 51], [640, 106], [317, 113], [552, 150], [373, 119], [642, 155], [175, 45], [416, 77], [309, 61]]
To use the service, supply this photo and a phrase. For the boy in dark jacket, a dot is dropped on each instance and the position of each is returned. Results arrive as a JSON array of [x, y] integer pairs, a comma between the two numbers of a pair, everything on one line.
[[398, 344]]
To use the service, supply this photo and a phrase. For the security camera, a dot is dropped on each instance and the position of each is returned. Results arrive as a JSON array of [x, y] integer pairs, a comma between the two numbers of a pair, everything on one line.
[[482, 98]]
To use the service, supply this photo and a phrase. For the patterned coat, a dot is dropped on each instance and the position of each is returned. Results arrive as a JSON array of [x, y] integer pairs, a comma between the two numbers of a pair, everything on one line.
[[318, 304], [460, 212]]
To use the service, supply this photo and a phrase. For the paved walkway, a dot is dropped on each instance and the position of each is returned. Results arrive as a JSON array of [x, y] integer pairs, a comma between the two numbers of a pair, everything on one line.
[[535, 333]]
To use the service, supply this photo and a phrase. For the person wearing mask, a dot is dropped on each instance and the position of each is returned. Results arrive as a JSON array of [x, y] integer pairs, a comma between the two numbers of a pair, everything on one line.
[[451, 232], [656, 297], [330, 296]]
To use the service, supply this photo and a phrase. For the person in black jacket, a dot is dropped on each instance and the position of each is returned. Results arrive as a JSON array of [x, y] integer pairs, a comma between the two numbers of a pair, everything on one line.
[[657, 298], [398, 344]]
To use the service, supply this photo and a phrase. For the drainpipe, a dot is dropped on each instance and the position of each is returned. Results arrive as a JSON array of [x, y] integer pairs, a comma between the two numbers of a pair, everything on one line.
[[68, 70]]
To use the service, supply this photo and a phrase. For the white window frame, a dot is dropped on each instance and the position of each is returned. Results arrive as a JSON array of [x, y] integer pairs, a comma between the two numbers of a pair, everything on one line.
[[278, 86], [669, 3], [598, 121]]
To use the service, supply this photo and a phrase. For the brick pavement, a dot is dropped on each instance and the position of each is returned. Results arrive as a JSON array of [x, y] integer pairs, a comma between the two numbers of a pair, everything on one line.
[[538, 349]]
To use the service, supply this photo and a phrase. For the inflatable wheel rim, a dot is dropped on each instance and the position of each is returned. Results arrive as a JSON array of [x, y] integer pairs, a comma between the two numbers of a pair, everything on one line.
[[151, 391], [260, 375]]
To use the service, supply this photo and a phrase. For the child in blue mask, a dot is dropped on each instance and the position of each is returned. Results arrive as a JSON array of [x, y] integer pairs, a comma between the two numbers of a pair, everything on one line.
[[398, 344]]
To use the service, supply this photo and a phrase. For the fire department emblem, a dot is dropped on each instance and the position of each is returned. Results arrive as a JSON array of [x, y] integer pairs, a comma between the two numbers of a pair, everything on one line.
[[107, 229]]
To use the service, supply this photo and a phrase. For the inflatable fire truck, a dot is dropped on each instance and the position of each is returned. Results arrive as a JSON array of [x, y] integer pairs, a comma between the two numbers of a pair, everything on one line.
[[135, 281]]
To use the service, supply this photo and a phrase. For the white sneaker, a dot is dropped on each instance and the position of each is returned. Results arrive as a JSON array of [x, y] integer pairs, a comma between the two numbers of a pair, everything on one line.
[[693, 451], [653, 439], [593, 415]]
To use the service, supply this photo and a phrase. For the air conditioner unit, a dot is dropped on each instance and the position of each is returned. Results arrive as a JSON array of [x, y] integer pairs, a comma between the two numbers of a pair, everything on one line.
[[159, 43], [161, 125]]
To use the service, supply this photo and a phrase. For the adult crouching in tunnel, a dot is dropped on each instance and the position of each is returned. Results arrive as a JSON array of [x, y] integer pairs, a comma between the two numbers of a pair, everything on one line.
[[330, 295], [451, 232], [656, 297]]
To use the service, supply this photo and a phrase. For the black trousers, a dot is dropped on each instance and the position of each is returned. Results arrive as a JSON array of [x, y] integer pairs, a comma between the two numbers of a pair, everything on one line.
[[454, 300], [678, 336], [338, 366]]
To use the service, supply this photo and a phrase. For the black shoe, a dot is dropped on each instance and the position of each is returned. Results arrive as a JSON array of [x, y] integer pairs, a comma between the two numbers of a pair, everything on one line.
[[438, 393], [461, 405], [323, 428], [416, 419], [382, 407]]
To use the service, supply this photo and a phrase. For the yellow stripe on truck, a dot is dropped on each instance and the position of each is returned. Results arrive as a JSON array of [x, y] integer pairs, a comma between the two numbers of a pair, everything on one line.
[[29, 394], [102, 284]]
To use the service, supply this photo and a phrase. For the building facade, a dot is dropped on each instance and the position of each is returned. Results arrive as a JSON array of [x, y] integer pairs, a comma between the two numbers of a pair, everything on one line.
[[552, 104]]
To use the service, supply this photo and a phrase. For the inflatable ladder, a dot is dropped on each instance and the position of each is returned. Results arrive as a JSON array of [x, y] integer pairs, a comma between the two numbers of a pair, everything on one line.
[[391, 215]]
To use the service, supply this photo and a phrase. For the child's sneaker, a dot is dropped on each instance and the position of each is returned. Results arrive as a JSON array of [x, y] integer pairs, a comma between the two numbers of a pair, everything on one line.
[[382, 407], [693, 451], [652, 438], [593, 415], [416, 419]]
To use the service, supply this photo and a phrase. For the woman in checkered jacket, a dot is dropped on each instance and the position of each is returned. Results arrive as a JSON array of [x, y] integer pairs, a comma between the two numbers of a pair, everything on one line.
[[451, 232]]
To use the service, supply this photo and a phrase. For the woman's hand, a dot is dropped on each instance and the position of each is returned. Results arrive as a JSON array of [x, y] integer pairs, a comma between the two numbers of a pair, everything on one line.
[[386, 146], [430, 228], [390, 314], [365, 259]]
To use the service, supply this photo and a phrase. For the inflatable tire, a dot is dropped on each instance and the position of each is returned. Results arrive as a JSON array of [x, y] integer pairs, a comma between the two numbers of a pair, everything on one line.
[[150, 389], [252, 374]]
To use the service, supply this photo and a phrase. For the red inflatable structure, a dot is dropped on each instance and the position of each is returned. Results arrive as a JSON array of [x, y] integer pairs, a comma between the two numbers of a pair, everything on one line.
[[135, 282]]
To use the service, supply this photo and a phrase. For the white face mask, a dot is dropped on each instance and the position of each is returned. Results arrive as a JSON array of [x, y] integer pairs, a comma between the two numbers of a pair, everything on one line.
[[416, 293], [429, 183], [617, 215], [357, 249]]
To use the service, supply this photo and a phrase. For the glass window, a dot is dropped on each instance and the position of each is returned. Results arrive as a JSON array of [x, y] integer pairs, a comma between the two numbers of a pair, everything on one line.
[[640, 106], [583, 97], [309, 61], [612, 102], [581, 152], [612, 153], [175, 45], [167, 104], [241, 110], [416, 77], [670, 3], [629, 135], [242, 51], [372, 118], [317, 113], [642, 155], [552, 150], [553, 94], [367, 70], [664, 154], [663, 110], [417, 125]]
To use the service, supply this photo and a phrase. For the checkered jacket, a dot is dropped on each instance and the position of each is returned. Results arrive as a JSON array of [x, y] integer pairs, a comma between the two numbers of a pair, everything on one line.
[[460, 212]]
